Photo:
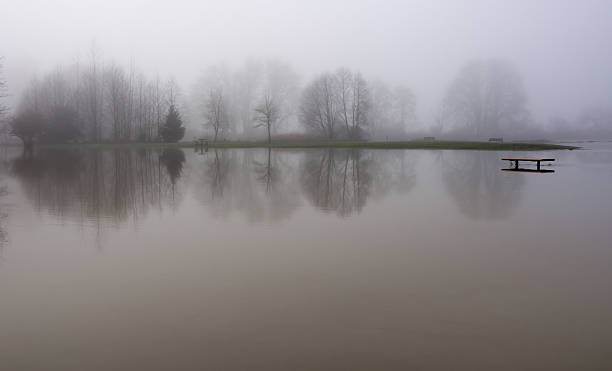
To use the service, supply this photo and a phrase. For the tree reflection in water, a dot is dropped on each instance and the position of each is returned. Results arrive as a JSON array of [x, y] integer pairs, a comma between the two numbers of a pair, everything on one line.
[[478, 187], [4, 169], [257, 183], [173, 159], [94, 185], [104, 187], [337, 180], [3, 216]]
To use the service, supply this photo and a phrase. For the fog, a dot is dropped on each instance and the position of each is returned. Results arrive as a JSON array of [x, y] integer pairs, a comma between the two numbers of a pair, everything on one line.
[[562, 50]]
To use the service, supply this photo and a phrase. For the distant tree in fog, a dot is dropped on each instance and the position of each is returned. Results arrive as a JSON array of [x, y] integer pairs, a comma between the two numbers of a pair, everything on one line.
[[318, 107], [231, 101], [217, 118], [597, 120], [93, 96], [267, 114], [108, 102], [276, 97], [212, 96], [3, 108], [247, 81], [118, 100], [173, 129], [486, 98], [354, 102], [344, 105], [403, 108]]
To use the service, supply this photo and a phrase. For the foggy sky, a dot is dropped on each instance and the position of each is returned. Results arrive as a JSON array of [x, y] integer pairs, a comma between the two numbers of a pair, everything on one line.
[[563, 49]]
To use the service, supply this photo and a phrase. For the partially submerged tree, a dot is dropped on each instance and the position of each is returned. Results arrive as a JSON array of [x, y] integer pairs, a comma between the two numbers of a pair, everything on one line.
[[173, 129], [27, 126]]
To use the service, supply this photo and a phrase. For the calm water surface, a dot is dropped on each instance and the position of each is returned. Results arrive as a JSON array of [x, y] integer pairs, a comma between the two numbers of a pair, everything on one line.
[[304, 260]]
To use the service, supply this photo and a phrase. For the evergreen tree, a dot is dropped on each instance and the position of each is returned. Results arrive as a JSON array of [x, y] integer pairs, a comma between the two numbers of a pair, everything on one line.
[[173, 129]]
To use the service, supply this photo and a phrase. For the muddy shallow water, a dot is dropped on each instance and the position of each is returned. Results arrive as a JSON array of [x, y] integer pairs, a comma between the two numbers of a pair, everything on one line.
[[317, 259]]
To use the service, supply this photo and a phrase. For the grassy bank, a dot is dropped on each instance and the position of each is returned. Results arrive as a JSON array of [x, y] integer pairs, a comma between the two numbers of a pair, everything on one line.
[[417, 144]]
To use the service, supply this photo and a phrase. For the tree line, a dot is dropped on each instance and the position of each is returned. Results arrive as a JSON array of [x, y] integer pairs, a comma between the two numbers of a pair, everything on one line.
[[334, 105], [97, 101]]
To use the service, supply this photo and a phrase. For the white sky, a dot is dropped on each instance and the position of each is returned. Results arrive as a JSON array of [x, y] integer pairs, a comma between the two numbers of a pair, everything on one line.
[[562, 48]]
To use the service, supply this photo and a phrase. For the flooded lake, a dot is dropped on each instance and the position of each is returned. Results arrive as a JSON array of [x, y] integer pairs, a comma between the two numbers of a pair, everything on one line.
[[249, 259]]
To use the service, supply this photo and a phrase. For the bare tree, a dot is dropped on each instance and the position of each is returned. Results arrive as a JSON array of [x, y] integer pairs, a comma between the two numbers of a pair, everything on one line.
[[392, 110], [109, 102], [216, 112], [267, 114], [485, 98], [93, 97], [5, 129], [596, 120], [117, 100], [354, 102], [318, 107], [247, 83], [336, 104], [3, 93]]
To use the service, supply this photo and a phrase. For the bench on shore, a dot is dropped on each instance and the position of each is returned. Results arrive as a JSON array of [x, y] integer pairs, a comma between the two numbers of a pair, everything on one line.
[[517, 159], [201, 143]]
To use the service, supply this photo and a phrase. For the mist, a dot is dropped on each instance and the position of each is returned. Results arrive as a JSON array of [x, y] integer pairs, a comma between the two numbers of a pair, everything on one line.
[[561, 51]]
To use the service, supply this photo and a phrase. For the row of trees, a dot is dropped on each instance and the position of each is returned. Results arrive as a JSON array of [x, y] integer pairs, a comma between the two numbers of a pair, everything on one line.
[[487, 98], [344, 105], [338, 105], [235, 103], [94, 102], [3, 93]]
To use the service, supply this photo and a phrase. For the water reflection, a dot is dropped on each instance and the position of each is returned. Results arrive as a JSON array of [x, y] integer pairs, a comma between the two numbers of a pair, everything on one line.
[[4, 170], [94, 185], [337, 180], [477, 186], [3, 216], [259, 184], [111, 187]]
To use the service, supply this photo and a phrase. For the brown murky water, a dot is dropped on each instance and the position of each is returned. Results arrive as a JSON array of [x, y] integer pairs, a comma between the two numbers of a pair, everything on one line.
[[304, 260]]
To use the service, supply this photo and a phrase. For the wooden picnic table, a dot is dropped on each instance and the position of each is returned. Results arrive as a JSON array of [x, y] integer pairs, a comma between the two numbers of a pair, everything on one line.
[[517, 159]]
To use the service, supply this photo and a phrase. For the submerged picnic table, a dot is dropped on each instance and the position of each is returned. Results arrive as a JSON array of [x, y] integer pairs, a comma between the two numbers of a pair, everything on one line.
[[517, 159]]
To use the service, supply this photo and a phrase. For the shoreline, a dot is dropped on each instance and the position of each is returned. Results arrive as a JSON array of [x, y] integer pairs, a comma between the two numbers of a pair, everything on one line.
[[418, 144]]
